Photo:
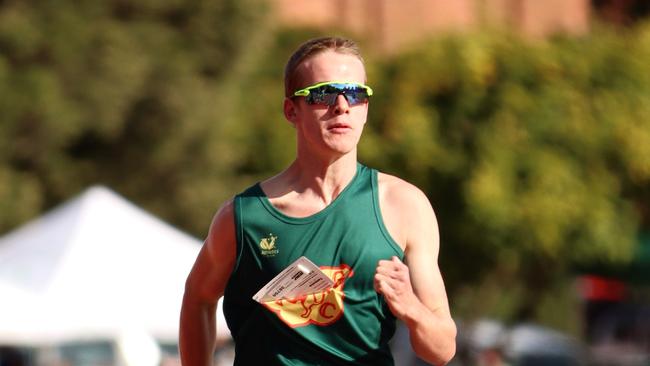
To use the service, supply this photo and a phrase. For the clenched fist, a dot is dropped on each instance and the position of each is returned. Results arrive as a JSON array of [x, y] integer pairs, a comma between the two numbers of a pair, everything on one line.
[[392, 280]]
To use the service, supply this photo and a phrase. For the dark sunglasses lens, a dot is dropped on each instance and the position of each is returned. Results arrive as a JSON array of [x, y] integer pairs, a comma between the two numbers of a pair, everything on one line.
[[322, 99], [357, 96], [318, 96], [327, 94]]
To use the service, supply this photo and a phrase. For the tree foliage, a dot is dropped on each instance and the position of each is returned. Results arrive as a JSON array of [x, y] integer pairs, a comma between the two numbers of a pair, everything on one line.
[[132, 94], [535, 154]]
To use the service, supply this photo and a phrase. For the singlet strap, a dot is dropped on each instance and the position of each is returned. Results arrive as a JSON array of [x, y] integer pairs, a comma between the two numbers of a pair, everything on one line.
[[380, 220], [239, 230]]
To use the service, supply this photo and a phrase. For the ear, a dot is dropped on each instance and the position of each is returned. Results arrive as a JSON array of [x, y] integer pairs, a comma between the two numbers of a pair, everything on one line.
[[290, 111]]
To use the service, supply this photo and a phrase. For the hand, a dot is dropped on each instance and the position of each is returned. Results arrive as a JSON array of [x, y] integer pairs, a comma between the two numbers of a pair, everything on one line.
[[392, 280]]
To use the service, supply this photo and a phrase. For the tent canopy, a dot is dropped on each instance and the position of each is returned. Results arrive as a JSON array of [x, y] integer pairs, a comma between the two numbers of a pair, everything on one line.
[[94, 267]]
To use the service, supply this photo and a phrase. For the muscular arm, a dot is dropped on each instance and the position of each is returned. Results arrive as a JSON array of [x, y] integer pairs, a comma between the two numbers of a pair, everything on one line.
[[415, 291], [204, 287]]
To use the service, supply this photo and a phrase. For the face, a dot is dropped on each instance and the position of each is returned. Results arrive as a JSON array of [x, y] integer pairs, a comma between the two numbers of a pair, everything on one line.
[[328, 130]]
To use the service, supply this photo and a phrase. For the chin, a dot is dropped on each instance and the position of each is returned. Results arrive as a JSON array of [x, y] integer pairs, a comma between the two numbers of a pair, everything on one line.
[[342, 142], [342, 149]]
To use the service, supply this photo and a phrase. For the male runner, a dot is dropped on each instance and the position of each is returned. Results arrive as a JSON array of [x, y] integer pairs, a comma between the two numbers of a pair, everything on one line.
[[373, 234]]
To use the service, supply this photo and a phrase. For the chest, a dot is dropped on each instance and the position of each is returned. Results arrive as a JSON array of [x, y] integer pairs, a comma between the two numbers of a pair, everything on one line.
[[344, 239], [301, 205]]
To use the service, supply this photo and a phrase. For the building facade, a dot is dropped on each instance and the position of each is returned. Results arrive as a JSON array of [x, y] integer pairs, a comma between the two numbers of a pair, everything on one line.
[[392, 24]]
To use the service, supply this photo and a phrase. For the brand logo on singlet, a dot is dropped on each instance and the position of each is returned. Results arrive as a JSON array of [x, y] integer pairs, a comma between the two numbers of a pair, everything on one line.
[[267, 246], [322, 308]]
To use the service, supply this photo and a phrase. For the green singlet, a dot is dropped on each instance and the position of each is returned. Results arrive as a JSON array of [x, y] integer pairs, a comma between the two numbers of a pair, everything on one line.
[[350, 324]]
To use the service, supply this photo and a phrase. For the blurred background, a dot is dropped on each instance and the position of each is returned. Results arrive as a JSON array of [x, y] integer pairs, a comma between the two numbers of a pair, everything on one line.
[[125, 124]]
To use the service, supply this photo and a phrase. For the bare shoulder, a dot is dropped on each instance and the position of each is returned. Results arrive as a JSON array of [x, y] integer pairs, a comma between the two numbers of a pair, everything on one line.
[[223, 221], [400, 195], [221, 238], [216, 260], [406, 211]]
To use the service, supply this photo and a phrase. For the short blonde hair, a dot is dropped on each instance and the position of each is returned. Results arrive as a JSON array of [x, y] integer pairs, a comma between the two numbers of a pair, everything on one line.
[[310, 49]]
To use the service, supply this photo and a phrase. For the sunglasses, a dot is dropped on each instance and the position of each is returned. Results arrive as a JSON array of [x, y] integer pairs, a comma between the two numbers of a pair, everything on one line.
[[325, 93]]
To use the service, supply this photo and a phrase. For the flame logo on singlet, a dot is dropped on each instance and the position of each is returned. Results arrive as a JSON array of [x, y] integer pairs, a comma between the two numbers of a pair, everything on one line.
[[322, 308]]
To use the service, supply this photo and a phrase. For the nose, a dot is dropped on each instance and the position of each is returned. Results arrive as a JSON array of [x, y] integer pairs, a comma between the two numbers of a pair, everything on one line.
[[341, 106]]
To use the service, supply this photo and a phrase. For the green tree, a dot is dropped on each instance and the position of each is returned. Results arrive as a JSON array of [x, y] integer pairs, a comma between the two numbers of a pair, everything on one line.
[[534, 154], [132, 94]]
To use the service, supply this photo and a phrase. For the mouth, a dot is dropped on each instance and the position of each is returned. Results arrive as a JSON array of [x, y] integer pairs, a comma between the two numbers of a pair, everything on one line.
[[338, 127]]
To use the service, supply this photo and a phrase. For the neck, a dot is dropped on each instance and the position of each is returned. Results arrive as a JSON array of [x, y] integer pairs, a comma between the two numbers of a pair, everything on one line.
[[322, 178]]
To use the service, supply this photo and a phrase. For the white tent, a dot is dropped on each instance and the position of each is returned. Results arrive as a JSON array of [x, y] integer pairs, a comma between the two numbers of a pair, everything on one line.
[[96, 267]]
